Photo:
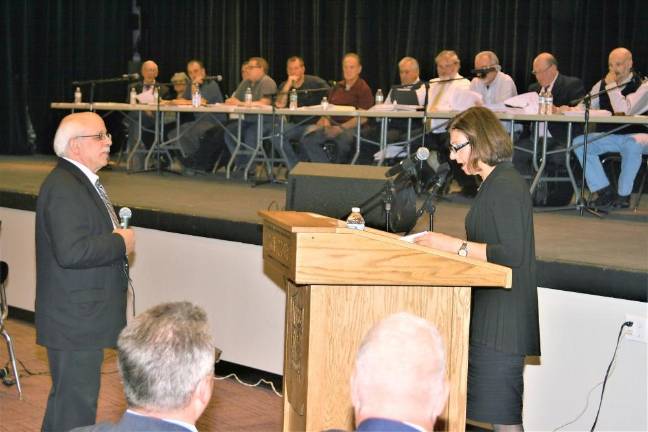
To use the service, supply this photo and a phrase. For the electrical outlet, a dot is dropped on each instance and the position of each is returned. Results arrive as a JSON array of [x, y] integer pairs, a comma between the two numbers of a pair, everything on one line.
[[638, 330]]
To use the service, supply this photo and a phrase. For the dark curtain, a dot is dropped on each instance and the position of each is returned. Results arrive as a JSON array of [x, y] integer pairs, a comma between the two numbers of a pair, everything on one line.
[[49, 44]]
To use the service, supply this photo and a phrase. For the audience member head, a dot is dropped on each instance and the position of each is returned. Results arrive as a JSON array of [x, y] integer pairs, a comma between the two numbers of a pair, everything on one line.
[[196, 71], [257, 67], [400, 372], [620, 64], [179, 81], [487, 142], [447, 64], [408, 69], [545, 69], [149, 71], [351, 68], [82, 137], [295, 69], [166, 362], [487, 60]]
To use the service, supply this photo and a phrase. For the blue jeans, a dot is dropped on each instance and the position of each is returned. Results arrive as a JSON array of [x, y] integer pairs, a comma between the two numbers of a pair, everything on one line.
[[292, 131], [630, 151]]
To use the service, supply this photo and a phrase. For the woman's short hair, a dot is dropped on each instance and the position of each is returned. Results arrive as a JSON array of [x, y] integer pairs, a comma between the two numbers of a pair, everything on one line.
[[489, 141]]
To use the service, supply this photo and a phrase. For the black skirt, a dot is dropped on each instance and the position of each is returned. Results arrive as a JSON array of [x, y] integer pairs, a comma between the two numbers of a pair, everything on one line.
[[495, 385]]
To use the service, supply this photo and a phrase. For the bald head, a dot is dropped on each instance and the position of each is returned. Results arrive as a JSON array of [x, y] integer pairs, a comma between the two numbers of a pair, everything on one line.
[[400, 372], [83, 137], [620, 63], [545, 68], [149, 71]]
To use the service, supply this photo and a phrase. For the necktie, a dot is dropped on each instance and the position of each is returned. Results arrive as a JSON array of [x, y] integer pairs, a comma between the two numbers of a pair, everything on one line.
[[109, 207], [437, 97]]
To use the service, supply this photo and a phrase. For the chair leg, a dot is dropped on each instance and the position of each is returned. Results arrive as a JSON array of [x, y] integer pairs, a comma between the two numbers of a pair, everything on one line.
[[12, 357], [641, 188]]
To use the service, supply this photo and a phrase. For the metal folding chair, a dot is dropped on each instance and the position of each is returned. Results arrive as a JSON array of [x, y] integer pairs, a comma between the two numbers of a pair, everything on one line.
[[4, 272]]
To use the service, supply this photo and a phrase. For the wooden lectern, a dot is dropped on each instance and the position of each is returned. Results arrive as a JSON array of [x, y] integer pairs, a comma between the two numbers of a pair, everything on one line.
[[339, 282]]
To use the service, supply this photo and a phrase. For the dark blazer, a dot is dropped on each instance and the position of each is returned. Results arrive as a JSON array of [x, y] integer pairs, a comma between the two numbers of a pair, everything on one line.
[[131, 423], [501, 216], [384, 425], [81, 281], [565, 90]]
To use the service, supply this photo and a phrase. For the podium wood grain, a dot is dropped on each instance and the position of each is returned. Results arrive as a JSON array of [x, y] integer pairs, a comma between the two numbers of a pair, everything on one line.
[[339, 282]]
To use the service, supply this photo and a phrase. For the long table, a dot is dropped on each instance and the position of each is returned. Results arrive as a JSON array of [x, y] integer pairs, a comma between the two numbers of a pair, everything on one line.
[[257, 153]]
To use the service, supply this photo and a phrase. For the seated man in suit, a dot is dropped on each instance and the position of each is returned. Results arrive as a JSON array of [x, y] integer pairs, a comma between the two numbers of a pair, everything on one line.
[[399, 381], [565, 90], [166, 362], [630, 99]]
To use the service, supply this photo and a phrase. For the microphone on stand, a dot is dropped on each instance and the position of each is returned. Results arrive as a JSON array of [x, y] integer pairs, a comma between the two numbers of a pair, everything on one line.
[[217, 78], [421, 154], [125, 214], [481, 73], [332, 83], [130, 77], [435, 190]]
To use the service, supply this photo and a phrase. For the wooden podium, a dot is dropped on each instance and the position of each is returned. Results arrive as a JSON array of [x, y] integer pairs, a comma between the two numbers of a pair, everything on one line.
[[339, 282]]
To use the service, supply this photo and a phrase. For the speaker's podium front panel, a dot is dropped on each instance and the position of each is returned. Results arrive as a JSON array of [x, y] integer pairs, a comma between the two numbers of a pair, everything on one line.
[[339, 282]]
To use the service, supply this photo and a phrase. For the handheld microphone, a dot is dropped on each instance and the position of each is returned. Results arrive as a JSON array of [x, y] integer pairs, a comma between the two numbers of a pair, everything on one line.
[[217, 78], [421, 154], [124, 216], [130, 77]]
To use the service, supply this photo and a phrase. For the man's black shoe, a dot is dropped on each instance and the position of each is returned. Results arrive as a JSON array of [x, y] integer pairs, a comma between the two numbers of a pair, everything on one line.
[[621, 202], [606, 198]]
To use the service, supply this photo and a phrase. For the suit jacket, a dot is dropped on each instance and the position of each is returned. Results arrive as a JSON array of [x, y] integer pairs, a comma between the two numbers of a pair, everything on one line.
[[81, 280], [564, 91], [131, 423], [384, 425]]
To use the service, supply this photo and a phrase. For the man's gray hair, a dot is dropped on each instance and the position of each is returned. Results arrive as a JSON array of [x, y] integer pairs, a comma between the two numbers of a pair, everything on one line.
[[491, 55], [402, 355], [65, 132], [409, 60], [163, 355]]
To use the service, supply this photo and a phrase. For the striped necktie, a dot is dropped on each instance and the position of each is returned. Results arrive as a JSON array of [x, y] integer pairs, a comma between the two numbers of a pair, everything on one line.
[[109, 207]]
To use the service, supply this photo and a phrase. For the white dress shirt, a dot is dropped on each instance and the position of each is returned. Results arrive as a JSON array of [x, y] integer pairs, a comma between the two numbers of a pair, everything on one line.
[[500, 89], [446, 89]]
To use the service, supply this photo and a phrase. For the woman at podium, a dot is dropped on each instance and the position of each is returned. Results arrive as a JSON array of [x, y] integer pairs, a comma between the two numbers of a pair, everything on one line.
[[504, 324]]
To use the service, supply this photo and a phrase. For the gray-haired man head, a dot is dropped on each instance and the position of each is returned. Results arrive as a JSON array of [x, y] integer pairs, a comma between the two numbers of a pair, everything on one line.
[[166, 362]]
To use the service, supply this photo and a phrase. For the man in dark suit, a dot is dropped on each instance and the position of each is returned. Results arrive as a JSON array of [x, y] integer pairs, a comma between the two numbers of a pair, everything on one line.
[[399, 381], [564, 90], [81, 271], [166, 362]]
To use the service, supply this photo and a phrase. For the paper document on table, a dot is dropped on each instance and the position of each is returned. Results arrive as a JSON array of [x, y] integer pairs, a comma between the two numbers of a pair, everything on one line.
[[387, 107], [593, 112], [410, 238], [145, 98], [392, 151], [527, 102]]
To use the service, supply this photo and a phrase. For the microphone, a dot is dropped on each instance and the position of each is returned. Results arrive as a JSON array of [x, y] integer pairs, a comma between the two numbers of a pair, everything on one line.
[[217, 78], [332, 83], [481, 73], [130, 77], [421, 154], [124, 216], [437, 186]]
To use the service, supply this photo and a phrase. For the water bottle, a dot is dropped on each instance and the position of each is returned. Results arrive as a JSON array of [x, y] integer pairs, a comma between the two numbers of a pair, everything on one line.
[[196, 98], [325, 103], [293, 99], [548, 103], [355, 219], [541, 102], [133, 96], [77, 95], [156, 94], [248, 96], [379, 97]]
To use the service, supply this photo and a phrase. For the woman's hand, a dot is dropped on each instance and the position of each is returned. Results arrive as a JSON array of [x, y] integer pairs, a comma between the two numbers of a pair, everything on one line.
[[439, 241]]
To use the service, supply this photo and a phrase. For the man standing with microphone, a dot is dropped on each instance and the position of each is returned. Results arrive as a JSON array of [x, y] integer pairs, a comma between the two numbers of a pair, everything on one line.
[[81, 271]]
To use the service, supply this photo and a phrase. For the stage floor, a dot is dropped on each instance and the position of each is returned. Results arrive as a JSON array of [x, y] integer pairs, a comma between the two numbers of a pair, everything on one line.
[[616, 242]]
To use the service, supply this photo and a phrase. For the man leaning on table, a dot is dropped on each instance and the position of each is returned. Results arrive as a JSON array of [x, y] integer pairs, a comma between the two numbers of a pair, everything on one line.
[[630, 142]]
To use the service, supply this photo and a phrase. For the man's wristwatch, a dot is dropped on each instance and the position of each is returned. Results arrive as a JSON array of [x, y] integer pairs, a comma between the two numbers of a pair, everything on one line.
[[463, 250]]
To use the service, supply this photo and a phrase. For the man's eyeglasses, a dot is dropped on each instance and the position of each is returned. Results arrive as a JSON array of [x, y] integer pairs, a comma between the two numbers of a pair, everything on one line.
[[454, 148], [97, 137]]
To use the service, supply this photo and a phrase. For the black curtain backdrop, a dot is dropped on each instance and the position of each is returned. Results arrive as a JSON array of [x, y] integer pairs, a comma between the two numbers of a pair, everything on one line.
[[48, 44]]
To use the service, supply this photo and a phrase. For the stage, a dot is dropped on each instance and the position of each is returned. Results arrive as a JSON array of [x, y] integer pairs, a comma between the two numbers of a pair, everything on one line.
[[607, 256]]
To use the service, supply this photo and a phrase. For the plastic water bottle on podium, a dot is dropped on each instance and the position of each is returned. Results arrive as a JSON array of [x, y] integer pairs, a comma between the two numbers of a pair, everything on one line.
[[325, 103], [379, 97], [133, 96], [293, 99], [541, 102], [156, 94], [77, 95], [248, 96], [355, 219], [548, 103], [196, 98]]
